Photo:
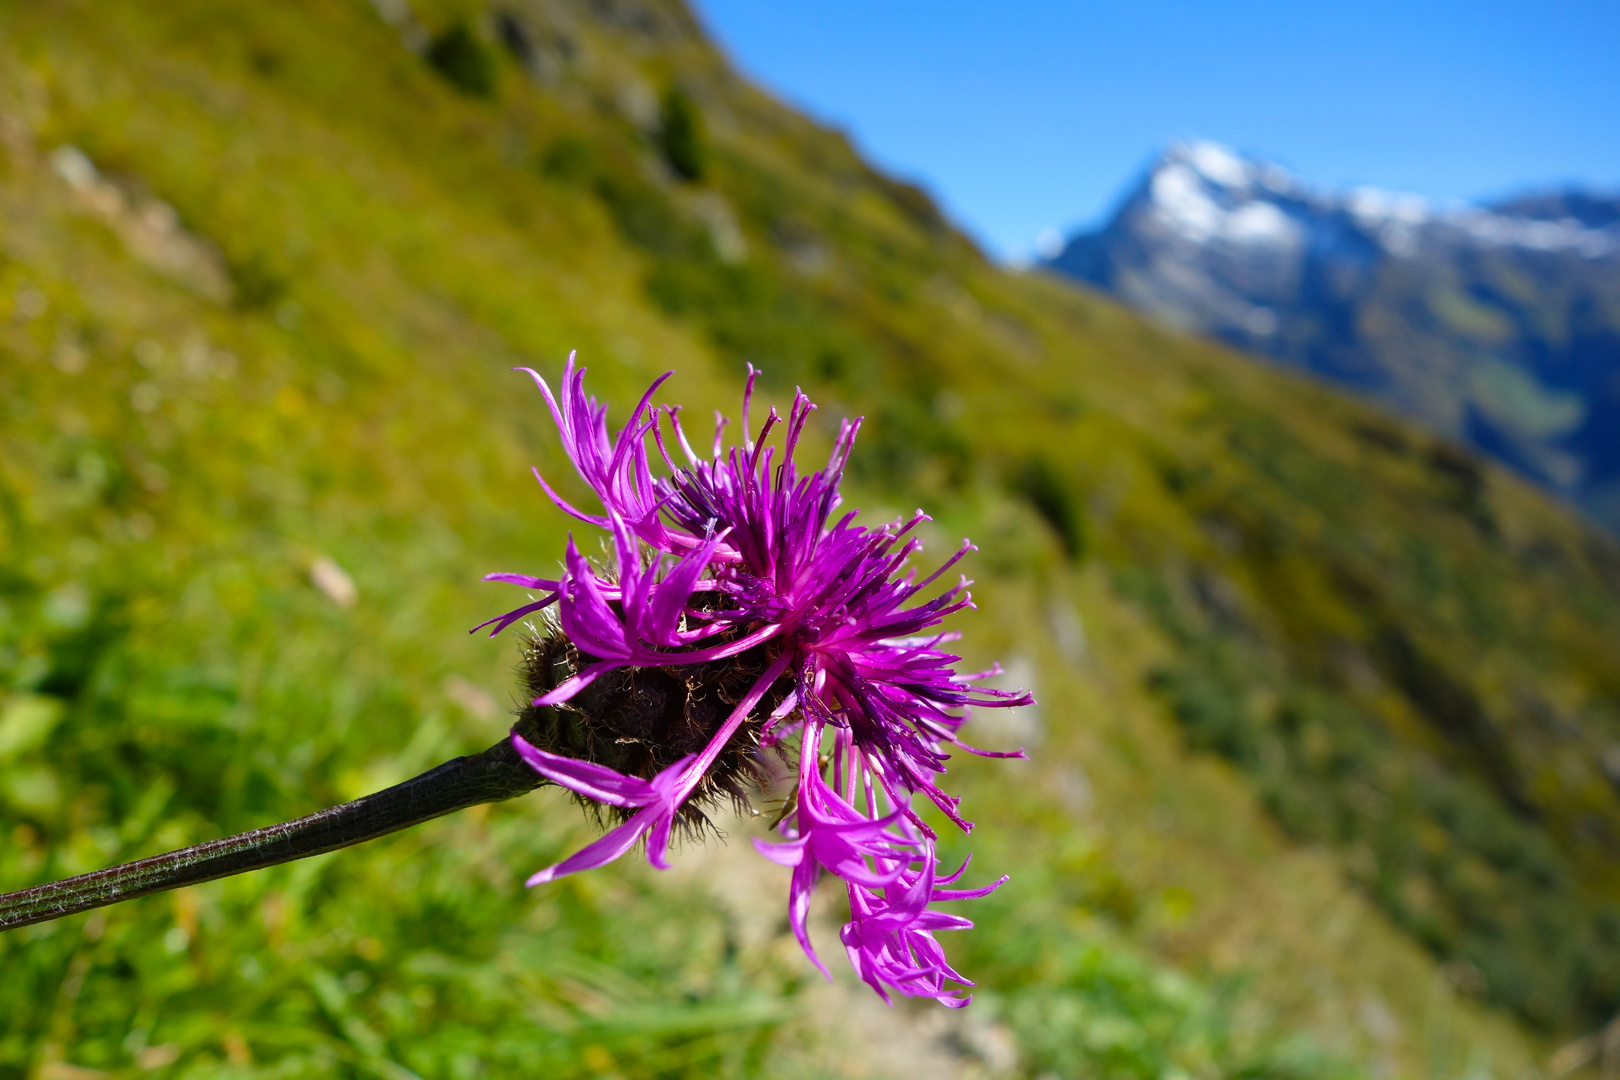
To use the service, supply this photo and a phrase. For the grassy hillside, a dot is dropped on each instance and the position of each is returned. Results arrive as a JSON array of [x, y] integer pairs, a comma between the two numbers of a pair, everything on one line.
[[1327, 770]]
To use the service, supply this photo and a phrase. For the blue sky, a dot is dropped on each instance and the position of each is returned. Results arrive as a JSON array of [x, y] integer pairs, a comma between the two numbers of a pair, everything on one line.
[[1030, 116]]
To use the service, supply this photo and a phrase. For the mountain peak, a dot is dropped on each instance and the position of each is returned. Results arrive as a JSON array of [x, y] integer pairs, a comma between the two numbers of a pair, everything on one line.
[[1215, 163], [1478, 320], [1207, 192]]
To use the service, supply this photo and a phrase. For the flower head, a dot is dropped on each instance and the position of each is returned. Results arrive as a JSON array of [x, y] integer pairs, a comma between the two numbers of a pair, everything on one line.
[[737, 618]]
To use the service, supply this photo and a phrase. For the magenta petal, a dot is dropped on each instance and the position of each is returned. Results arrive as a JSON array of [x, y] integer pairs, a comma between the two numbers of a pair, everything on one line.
[[585, 613], [524, 580], [670, 597], [970, 894], [1019, 753], [602, 852], [799, 893], [503, 621], [789, 854], [658, 842], [938, 920], [575, 683], [593, 781], [563, 505]]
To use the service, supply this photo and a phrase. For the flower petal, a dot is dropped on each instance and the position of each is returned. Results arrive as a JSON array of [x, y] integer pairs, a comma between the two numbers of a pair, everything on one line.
[[597, 782], [614, 844]]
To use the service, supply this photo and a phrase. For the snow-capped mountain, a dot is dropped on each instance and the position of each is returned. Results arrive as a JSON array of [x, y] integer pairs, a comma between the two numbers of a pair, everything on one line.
[[1498, 325]]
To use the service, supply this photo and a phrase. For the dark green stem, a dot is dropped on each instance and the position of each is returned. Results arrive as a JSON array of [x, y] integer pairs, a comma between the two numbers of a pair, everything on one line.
[[492, 776]]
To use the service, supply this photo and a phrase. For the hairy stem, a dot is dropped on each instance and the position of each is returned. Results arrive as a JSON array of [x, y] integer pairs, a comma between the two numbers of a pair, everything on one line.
[[492, 776]]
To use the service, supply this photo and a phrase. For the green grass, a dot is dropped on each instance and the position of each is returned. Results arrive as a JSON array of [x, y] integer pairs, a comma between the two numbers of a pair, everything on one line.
[[1317, 784]]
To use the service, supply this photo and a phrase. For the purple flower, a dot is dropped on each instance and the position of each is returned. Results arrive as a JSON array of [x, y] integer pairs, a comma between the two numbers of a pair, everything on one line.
[[890, 935], [738, 618]]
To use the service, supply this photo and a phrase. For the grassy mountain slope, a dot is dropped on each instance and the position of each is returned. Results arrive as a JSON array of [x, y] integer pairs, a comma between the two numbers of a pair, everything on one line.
[[1326, 771]]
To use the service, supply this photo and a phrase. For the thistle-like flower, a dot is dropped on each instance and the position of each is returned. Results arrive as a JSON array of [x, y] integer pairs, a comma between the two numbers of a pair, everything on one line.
[[735, 621]]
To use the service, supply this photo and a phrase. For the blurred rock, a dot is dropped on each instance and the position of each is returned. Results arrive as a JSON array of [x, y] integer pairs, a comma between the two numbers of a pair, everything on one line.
[[333, 581]]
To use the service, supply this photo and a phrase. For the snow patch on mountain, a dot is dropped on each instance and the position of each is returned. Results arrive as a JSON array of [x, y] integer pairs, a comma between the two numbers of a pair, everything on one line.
[[1218, 163], [1185, 202], [1208, 193]]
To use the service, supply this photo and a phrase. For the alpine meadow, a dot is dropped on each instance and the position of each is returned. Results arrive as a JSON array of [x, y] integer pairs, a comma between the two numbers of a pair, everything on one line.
[[1323, 778]]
